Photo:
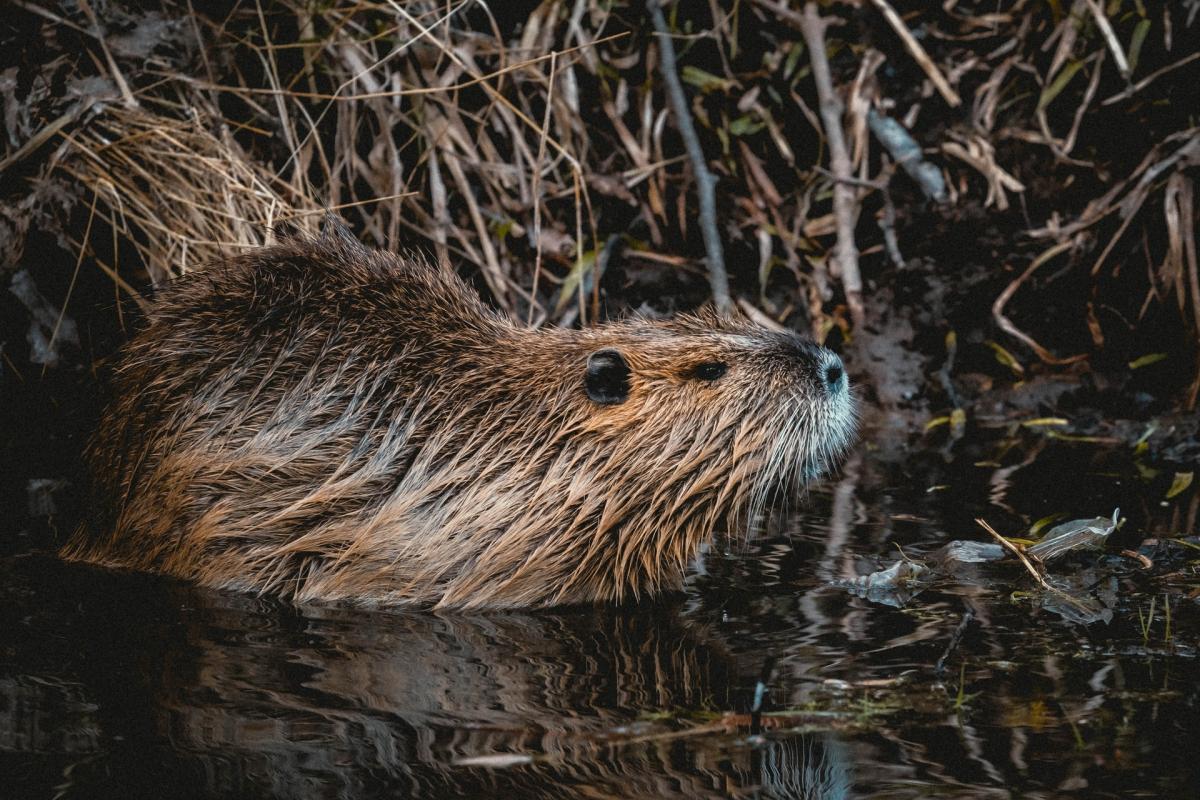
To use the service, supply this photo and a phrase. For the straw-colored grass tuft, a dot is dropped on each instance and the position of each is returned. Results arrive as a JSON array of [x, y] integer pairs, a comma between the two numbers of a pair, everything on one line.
[[181, 193]]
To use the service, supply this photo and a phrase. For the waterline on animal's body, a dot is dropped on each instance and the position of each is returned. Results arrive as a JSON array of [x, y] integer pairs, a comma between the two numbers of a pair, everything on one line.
[[331, 423]]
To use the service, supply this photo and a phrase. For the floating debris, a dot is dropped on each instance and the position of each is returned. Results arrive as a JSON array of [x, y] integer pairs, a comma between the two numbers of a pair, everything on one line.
[[893, 586], [1082, 597], [1078, 534]]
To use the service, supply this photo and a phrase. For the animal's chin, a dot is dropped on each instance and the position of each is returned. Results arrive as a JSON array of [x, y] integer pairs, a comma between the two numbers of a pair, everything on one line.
[[809, 442], [828, 443]]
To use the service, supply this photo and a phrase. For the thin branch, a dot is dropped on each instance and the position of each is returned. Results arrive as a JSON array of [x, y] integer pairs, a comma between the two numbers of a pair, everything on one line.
[[706, 182], [1037, 574], [845, 203], [918, 53], [1110, 37], [1146, 81], [1007, 325], [113, 69]]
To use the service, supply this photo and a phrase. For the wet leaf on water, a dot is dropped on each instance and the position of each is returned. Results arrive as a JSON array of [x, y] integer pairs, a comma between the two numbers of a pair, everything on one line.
[[1041, 422], [1006, 358], [893, 586], [1147, 360], [970, 552], [1039, 526], [1078, 534], [1083, 598], [1181, 482]]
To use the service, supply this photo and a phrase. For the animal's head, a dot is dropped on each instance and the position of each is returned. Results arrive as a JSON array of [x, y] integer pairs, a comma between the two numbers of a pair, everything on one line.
[[598, 461], [723, 407]]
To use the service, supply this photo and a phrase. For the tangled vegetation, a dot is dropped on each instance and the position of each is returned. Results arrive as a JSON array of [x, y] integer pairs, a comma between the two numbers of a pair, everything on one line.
[[1036, 161]]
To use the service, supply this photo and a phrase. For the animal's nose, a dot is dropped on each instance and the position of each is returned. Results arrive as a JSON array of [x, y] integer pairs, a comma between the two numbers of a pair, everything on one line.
[[834, 374]]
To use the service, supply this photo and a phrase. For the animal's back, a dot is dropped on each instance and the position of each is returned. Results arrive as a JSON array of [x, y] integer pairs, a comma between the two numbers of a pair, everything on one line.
[[252, 408], [327, 422]]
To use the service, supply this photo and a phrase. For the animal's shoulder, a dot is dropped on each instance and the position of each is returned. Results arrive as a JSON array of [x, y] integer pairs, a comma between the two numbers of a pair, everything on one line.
[[326, 277]]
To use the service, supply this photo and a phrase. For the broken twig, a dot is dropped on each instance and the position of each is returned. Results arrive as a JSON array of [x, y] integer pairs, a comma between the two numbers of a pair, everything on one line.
[[845, 203], [1034, 571], [918, 53], [1007, 325], [706, 182], [899, 142]]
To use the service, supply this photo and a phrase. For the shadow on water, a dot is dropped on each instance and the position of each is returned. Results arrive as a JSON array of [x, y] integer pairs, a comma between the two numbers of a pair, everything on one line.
[[762, 680]]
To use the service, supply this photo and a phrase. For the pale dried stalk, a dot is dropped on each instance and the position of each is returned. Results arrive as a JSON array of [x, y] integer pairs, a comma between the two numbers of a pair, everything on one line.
[[1037, 575], [1007, 325], [918, 53], [1110, 37], [706, 182], [845, 203], [179, 194]]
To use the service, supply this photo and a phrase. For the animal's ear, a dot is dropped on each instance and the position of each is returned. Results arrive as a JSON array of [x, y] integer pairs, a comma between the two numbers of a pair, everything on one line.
[[607, 380]]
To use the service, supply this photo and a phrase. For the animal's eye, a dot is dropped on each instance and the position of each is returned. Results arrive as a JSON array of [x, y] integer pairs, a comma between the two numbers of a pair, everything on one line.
[[709, 371]]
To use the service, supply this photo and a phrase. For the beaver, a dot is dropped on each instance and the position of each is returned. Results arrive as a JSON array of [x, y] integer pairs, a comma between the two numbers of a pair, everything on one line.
[[326, 422]]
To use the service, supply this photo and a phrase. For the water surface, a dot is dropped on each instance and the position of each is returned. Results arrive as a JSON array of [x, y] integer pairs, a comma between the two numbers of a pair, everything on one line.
[[761, 680]]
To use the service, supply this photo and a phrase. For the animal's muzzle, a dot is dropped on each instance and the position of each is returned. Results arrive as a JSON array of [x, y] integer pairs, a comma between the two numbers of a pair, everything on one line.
[[832, 374]]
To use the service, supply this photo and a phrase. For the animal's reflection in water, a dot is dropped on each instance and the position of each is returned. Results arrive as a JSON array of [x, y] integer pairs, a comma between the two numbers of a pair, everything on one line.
[[232, 698]]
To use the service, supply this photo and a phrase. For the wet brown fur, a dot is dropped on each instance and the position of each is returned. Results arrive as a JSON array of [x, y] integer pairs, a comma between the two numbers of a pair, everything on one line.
[[331, 423]]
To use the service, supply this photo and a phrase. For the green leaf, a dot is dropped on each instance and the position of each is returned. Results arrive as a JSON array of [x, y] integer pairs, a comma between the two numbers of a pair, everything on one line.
[[745, 125], [570, 284], [704, 81], [1181, 482], [793, 58], [1006, 358], [1059, 83], [502, 228], [1135, 44], [1147, 360]]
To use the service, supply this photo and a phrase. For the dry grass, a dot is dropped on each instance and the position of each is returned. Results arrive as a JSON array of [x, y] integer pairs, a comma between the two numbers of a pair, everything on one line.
[[530, 150], [179, 193]]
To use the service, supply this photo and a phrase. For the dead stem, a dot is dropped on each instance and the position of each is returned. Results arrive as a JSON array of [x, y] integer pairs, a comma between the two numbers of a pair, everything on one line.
[[845, 203], [1006, 324], [1034, 571], [427, 124], [918, 53], [706, 182]]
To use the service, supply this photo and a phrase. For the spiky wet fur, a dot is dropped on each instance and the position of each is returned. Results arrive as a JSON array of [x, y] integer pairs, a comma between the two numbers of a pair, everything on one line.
[[326, 422]]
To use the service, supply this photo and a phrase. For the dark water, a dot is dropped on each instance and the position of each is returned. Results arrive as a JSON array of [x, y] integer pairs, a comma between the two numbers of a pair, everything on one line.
[[126, 686]]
